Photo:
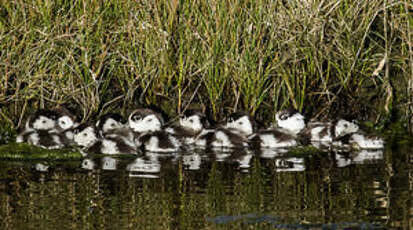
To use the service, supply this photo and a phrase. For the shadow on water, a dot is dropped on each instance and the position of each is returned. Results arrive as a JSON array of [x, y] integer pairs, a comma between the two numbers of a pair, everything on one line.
[[271, 189]]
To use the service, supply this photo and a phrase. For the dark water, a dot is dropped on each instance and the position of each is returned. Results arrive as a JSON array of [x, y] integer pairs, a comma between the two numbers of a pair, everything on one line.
[[198, 190]]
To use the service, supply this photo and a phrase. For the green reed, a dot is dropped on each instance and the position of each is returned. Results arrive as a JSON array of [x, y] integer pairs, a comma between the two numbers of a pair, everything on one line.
[[321, 57]]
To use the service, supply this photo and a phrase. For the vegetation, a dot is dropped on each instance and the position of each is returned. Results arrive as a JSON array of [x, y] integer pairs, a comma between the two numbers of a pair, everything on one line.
[[322, 57], [28, 152]]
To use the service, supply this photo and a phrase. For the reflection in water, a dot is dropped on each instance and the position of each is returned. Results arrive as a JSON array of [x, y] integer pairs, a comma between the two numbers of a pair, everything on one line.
[[365, 156], [109, 163], [192, 161], [244, 161], [290, 164], [277, 222], [144, 167], [342, 160], [271, 153], [88, 164], [266, 189], [41, 167]]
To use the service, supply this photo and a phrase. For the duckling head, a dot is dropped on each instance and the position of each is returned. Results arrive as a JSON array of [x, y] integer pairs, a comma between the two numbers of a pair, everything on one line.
[[44, 120], [85, 135], [241, 122], [344, 127], [193, 120], [65, 122], [65, 119], [145, 120], [290, 120], [110, 122]]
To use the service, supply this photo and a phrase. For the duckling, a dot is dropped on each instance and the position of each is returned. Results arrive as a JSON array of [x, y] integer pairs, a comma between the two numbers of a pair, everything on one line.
[[111, 125], [45, 139], [319, 134], [331, 131], [147, 127], [110, 122], [221, 138], [290, 121], [246, 126], [65, 124], [145, 120], [38, 130], [191, 124], [41, 120], [227, 135], [241, 123], [87, 136]]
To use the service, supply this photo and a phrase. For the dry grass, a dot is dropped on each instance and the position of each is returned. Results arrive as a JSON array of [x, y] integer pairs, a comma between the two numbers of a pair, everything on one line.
[[323, 57]]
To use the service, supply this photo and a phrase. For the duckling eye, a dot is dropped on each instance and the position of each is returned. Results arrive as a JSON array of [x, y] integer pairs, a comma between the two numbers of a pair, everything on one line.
[[43, 121], [112, 125], [191, 120], [345, 125], [283, 116], [240, 123], [63, 122], [85, 134], [150, 119]]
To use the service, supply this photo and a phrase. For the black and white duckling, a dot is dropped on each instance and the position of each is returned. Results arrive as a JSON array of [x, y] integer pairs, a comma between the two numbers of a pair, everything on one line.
[[38, 130], [226, 136], [290, 121], [221, 138], [42, 120], [269, 138], [147, 127], [65, 124], [109, 123], [87, 136], [241, 123], [112, 125], [330, 131], [191, 124]]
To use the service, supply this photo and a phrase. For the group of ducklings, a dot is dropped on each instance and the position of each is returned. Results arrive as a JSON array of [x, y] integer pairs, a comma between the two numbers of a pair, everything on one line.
[[145, 130]]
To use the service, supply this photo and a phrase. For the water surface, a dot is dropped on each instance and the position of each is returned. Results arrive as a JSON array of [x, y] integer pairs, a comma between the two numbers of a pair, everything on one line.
[[212, 190]]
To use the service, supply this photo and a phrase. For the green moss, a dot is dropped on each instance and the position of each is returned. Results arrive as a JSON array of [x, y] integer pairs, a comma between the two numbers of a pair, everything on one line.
[[27, 152], [305, 151]]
